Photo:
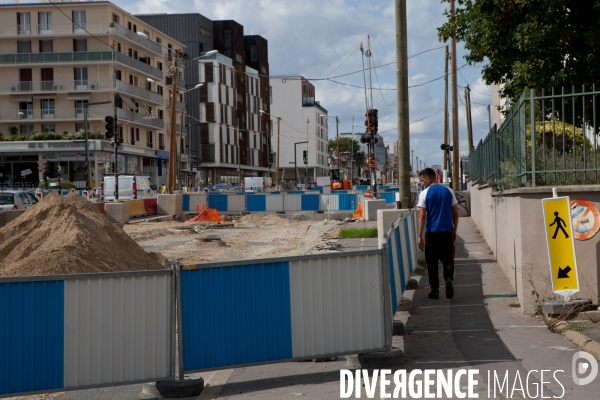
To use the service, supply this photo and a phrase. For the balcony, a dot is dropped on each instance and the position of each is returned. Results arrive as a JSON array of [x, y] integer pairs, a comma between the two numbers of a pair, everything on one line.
[[52, 29], [180, 82], [44, 115], [140, 118], [140, 41], [55, 86], [142, 93], [179, 105], [91, 57]]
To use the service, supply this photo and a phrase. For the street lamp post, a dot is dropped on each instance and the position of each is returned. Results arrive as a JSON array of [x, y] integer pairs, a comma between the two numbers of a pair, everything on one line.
[[295, 162], [278, 141]]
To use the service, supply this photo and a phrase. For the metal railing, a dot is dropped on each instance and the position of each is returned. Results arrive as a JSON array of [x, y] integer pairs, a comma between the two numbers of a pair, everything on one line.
[[139, 92], [55, 86], [49, 115], [52, 29], [562, 150], [140, 118], [134, 37], [180, 82], [79, 56]]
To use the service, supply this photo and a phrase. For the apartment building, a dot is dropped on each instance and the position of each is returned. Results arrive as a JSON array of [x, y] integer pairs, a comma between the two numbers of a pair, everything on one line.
[[233, 137], [303, 119], [57, 59]]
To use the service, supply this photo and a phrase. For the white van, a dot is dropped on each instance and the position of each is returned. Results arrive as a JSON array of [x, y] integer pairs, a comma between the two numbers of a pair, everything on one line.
[[131, 187], [252, 184]]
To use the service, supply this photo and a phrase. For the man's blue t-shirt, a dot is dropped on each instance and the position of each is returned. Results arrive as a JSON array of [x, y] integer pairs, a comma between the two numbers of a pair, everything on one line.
[[438, 201]]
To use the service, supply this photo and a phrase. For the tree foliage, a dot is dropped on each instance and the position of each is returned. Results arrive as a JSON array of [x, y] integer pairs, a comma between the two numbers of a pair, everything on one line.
[[348, 145], [529, 43]]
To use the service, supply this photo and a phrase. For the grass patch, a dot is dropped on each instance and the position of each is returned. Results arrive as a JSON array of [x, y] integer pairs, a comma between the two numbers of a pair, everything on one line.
[[357, 233], [514, 305], [576, 328]]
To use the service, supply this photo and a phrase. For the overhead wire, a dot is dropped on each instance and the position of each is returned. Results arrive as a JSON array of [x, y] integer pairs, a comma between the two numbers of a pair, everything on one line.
[[84, 29]]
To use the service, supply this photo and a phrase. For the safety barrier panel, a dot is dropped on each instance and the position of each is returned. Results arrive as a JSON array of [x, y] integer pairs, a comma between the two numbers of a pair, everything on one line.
[[218, 202], [274, 202], [310, 202], [236, 202], [81, 331], [190, 201], [244, 313], [402, 254], [150, 205], [292, 202], [136, 208], [101, 207], [390, 199]]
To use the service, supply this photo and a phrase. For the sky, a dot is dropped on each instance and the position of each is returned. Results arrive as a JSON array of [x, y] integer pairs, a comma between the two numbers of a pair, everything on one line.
[[320, 38]]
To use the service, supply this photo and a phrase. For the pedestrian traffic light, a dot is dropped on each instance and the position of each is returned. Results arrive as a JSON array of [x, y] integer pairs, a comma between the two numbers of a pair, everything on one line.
[[305, 156], [270, 159], [110, 127]]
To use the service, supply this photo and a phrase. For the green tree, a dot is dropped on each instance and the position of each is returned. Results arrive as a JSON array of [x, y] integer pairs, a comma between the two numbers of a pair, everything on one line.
[[349, 145], [529, 43]]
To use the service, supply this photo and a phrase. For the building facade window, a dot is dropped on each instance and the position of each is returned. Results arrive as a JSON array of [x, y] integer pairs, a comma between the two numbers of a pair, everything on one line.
[[26, 110], [46, 46], [45, 20], [79, 106], [79, 127], [253, 53], [23, 46], [149, 141], [24, 20], [79, 21], [79, 45], [47, 106], [81, 78], [26, 129], [46, 128]]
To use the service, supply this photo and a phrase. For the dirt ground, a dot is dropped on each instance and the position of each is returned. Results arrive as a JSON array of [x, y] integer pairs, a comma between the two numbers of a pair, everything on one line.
[[246, 237]]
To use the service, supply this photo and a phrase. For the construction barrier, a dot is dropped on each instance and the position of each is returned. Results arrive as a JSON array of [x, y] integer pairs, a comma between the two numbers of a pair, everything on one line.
[[274, 202], [136, 208], [390, 199], [190, 201], [284, 309], [77, 331], [236, 202], [151, 206], [402, 254], [101, 207]]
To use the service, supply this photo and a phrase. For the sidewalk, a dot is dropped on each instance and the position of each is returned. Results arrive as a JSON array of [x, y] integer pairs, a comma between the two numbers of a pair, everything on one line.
[[477, 329]]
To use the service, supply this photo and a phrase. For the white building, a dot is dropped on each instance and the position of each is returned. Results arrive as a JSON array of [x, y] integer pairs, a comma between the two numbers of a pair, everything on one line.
[[302, 119]]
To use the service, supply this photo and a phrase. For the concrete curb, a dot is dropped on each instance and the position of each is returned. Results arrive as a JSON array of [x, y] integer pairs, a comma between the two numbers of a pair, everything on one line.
[[585, 342]]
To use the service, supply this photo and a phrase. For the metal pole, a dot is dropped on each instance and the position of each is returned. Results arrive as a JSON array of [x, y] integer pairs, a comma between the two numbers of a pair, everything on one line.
[[239, 154], [87, 153], [173, 132], [278, 146], [180, 150], [296, 166], [116, 145], [489, 118], [337, 138], [455, 142], [446, 138], [403, 149]]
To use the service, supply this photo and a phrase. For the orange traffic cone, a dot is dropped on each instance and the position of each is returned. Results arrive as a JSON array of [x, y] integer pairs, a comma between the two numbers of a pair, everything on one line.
[[359, 213]]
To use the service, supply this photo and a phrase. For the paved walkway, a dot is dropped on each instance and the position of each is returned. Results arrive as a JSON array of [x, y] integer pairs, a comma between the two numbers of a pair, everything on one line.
[[477, 329]]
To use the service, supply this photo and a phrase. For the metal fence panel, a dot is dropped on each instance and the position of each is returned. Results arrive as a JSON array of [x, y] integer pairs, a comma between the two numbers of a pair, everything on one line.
[[275, 202], [236, 202], [117, 330], [348, 202], [337, 305], [292, 202], [191, 201], [256, 202], [218, 202], [236, 315], [32, 336], [390, 199], [310, 202], [329, 202]]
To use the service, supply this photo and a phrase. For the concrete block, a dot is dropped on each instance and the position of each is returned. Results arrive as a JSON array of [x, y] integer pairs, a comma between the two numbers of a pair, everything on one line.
[[170, 204], [571, 307], [173, 389], [117, 212], [371, 207], [405, 304], [7, 216], [412, 284], [398, 328], [379, 360], [384, 219]]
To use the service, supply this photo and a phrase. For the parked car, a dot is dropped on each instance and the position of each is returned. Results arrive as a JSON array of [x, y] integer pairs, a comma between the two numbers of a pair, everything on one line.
[[130, 187], [16, 200]]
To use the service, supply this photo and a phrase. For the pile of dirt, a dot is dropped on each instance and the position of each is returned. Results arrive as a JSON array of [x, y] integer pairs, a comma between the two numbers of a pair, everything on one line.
[[68, 235]]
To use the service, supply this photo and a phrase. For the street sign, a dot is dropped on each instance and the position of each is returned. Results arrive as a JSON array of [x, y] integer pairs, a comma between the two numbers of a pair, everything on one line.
[[561, 246], [585, 218], [26, 172]]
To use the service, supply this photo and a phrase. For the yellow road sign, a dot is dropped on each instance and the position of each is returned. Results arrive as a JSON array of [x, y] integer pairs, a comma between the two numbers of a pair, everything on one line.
[[561, 245]]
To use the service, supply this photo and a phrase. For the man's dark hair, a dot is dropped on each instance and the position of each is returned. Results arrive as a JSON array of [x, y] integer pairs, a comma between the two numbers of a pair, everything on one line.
[[428, 173]]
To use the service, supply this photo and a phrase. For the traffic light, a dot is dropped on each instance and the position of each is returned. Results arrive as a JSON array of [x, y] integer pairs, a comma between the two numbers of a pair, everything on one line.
[[270, 159], [305, 156], [371, 120], [446, 147], [112, 167], [110, 127]]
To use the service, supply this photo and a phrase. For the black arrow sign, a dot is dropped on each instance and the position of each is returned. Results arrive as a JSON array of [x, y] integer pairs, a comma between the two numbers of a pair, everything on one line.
[[564, 273]]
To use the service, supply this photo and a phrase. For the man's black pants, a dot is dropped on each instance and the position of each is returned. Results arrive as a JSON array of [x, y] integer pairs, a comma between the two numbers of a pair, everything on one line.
[[439, 246]]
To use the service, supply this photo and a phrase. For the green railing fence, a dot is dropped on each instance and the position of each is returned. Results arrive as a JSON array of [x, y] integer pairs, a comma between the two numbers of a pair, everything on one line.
[[561, 149]]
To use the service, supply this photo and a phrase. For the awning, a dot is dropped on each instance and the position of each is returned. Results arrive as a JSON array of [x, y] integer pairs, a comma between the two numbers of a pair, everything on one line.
[[44, 95], [129, 102], [20, 98], [78, 96]]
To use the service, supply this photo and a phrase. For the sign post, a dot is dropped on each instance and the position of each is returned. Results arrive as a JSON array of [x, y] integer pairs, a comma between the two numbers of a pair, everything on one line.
[[561, 246]]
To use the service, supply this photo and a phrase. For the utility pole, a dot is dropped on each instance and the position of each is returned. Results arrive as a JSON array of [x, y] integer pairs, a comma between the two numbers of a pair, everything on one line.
[[402, 96], [469, 120], [489, 118], [173, 132], [412, 160], [337, 139], [278, 146], [455, 144], [446, 138]]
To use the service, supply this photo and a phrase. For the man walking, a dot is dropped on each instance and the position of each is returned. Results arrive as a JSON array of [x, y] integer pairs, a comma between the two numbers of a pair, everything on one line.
[[438, 220]]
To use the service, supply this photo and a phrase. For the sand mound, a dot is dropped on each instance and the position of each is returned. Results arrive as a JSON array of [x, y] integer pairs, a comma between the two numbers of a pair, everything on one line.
[[68, 235]]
